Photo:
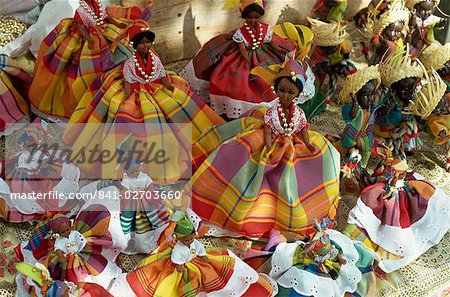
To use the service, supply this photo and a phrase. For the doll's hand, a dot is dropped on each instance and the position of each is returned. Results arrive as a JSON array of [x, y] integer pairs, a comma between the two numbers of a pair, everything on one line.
[[442, 134], [203, 258], [310, 147], [180, 268]]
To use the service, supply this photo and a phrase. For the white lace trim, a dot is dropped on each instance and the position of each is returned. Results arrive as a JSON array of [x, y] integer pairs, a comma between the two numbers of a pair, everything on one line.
[[200, 86], [307, 283], [234, 108], [407, 242], [130, 75]]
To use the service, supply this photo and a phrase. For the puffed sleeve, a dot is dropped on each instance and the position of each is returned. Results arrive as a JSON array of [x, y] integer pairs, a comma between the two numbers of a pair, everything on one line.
[[238, 37], [127, 71], [300, 119], [160, 72], [268, 36], [200, 247], [268, 117]]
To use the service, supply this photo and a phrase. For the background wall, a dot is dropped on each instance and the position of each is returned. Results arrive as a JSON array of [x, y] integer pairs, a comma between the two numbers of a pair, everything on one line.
[[182, 26]]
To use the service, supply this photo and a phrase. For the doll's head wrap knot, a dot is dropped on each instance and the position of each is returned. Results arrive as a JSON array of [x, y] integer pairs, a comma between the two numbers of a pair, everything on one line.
[[354, 82], [301, 35]]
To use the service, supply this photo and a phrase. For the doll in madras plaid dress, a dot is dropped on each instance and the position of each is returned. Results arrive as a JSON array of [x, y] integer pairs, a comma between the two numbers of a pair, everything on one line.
[[182, 266], [422, 24], [220, 71], [437, 57], [72, 56]]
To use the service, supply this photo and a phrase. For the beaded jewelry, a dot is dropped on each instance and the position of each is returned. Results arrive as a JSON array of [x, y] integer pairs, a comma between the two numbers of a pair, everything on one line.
[[98, 19], [256, 43], [142, 71]]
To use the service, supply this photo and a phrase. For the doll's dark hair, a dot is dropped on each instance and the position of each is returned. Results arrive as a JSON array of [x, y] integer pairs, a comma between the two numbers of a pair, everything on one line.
[[297, 83], [138, 37], [249, 9]]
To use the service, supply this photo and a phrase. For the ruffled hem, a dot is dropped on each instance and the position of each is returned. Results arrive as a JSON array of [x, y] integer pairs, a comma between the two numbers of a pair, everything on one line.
[[411, 242], [310, 284]]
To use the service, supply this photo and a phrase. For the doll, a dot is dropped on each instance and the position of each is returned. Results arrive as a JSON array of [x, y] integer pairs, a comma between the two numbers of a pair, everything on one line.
[[403, 214], [183, 267], [401, 77], [309, 99], [328, 258], [74, 252], [330, 57], [14, 85], [422, 24], [272, 149], [360, 89], [72, 56], [438, 122], [220, 71], [388, 34], [138, 97], [373, 11], [36, 281], [330, 10]]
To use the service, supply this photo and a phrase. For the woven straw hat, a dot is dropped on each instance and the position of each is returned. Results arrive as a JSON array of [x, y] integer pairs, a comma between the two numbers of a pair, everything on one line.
[[354, 82]]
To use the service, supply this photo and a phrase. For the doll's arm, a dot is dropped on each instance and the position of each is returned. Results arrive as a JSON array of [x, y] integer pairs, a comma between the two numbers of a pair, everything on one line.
[[166, 83], [127, 86], [305, 138], [85, 35], [243, 52], [354, 109], [61, 256], [267, 136]]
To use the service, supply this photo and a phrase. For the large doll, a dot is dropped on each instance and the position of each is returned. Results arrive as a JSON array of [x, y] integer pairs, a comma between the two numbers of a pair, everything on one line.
[[72, 56], [220, 71], [281, 171], [403, 214], [138, 97], [388, 33], [438, 122], [14, 86], [183, 267], [76, 252], [327, 263], [330, 59], [422, 24], [358, 112]]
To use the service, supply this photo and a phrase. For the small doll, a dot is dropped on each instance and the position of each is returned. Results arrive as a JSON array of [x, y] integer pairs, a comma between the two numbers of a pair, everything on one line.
[[401, 76], [438, 122], [63, 73], [328, 258], [272, 147], [183, 266], [330, 57], [373, 11], [388, 33], [14, 84], [330, 10], [75, 252], [360, 89], [422, 24], [386, 214], [36, 281], [220, 71], [140, 96]]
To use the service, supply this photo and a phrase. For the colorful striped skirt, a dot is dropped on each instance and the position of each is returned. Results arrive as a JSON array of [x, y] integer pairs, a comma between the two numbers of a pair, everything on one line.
[[14, 84], [152, 113], [66, 66], [245, 187]]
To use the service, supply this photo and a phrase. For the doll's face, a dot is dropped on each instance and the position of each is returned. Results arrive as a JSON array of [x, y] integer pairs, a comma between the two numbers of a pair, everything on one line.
[[133, 172], [287, 91], [366, 96], [64, 229], [328, 50], [424, 9], [404, 89], [393, 32], [253, 18], [144, 46], [187, 240], [444, 71]]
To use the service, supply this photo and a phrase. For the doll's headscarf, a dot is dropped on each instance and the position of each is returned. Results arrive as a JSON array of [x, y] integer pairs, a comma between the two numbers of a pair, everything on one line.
[[290, 68], [45, 227], [301, 35], [244, 3]]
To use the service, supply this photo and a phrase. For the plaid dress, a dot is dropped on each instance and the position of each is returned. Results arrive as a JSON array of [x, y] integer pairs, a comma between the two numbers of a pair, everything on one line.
[[246, 187], [66, 66]]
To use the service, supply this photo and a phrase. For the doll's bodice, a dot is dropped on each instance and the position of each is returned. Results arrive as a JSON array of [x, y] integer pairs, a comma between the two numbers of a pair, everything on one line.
[[182, 254], [85, 14], [140, 183], [273, 120], [251, 36], [133, 74]]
